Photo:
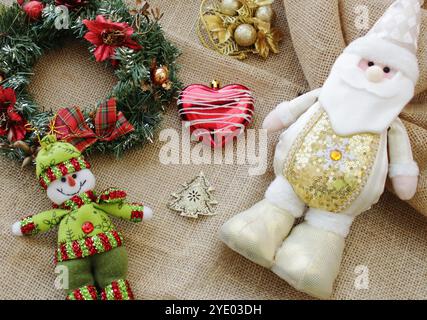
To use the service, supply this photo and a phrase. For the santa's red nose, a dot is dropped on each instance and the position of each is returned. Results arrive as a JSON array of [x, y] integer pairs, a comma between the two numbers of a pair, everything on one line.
[[71, 181]]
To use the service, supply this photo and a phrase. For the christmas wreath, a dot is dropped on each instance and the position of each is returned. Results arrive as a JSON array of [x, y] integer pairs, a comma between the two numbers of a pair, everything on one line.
[[129, 40]]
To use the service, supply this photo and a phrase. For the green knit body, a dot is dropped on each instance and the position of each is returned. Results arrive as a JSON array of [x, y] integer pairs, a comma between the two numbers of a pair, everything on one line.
[[88, 220], [70, 227]]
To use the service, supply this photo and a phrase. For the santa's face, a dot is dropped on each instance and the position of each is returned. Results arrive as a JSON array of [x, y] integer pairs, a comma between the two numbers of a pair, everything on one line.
[[370, 77], [376, 72], [70, 185], [362, 95]]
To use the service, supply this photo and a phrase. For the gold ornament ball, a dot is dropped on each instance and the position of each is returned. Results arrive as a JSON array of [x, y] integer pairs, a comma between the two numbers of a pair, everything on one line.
[[245, 35], [161, 75], [230, 7], [265, 13]]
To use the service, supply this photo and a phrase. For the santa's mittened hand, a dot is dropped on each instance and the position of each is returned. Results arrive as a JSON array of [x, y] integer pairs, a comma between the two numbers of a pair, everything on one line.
[[279, 119], [272, 122], [405, 186], [16, 229], [148, 213]]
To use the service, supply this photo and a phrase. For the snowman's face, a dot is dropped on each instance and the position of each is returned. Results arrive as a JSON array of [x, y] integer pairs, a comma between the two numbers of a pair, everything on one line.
[[70, 185]]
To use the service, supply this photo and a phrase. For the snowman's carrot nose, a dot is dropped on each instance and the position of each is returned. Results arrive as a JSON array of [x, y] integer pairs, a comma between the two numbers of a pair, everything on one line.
[[71, 181]]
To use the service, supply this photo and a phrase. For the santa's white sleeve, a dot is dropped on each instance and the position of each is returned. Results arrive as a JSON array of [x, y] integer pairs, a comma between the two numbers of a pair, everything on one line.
[[401, 159], [289, 111]]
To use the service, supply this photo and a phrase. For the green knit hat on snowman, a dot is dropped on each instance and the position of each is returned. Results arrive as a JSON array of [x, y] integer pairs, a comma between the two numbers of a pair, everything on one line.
[[57, 159]]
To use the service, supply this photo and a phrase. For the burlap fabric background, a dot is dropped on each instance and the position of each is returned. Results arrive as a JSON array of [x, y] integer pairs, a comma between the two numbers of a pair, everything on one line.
[[172, 257]]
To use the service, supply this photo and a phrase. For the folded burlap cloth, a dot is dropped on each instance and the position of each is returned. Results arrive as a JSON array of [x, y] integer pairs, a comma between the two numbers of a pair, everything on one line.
[[179, 258]]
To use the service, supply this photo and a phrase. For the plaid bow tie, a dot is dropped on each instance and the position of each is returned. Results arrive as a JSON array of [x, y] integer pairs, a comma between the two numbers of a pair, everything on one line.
[[71, 126]]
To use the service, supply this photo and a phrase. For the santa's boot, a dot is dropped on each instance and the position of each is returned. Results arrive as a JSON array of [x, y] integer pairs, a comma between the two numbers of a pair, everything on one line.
[[258, 232], [310, 257]]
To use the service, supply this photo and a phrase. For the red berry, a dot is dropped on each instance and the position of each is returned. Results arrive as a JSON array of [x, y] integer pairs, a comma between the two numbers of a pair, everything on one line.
[[33, 9]]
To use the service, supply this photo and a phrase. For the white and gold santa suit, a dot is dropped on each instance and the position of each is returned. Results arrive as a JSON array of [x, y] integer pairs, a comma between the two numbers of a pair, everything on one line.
[[335, 173], [330, 178]]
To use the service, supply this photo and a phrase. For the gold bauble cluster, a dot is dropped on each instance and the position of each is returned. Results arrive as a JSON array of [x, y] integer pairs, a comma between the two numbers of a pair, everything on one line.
[[239, 27]]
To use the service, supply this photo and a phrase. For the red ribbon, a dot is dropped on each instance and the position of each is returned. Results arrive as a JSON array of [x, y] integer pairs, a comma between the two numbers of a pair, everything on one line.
[[70, 125]]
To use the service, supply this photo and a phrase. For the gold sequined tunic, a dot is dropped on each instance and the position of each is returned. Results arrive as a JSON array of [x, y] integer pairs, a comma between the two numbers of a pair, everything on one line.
[[328, 171]]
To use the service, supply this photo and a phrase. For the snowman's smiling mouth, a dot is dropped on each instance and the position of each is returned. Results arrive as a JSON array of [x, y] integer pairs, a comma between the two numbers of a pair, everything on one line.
[[72, 194]]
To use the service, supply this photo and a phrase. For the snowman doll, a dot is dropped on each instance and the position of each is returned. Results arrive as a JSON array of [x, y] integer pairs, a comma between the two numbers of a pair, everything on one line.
[[89, 246], [332, 162]]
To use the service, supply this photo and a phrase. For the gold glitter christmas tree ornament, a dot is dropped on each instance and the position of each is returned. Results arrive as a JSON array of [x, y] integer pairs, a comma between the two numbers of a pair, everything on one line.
[[195, 198]]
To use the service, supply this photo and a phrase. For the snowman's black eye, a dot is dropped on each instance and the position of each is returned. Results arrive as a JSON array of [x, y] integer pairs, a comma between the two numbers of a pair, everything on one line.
[[386, 69], [74, 176], [371, 64], [63, 179]]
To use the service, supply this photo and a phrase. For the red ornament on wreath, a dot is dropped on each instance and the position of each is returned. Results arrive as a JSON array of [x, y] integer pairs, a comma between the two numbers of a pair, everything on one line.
[[12, 123], [216, 115]]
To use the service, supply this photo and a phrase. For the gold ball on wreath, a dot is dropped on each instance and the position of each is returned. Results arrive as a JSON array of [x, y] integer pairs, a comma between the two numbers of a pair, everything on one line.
[[161, 75], [245, 35], [230, 7], [265, 13]]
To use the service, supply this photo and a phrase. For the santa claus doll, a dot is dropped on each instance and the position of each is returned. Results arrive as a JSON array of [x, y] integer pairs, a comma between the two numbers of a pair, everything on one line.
[[333, 160]]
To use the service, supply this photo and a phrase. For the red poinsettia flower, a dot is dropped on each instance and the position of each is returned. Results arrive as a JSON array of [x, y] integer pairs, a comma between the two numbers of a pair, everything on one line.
[[71, 4], [107, 36], [12, 124]]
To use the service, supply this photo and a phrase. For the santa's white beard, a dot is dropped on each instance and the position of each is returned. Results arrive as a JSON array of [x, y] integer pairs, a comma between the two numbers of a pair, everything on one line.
[[356, 105]]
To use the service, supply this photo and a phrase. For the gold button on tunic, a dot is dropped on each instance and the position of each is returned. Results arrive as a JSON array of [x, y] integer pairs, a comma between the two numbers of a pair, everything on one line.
[[328, 171]]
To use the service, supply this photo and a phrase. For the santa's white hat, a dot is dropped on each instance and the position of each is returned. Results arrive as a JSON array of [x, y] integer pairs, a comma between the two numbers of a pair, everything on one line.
[[393, 40]]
